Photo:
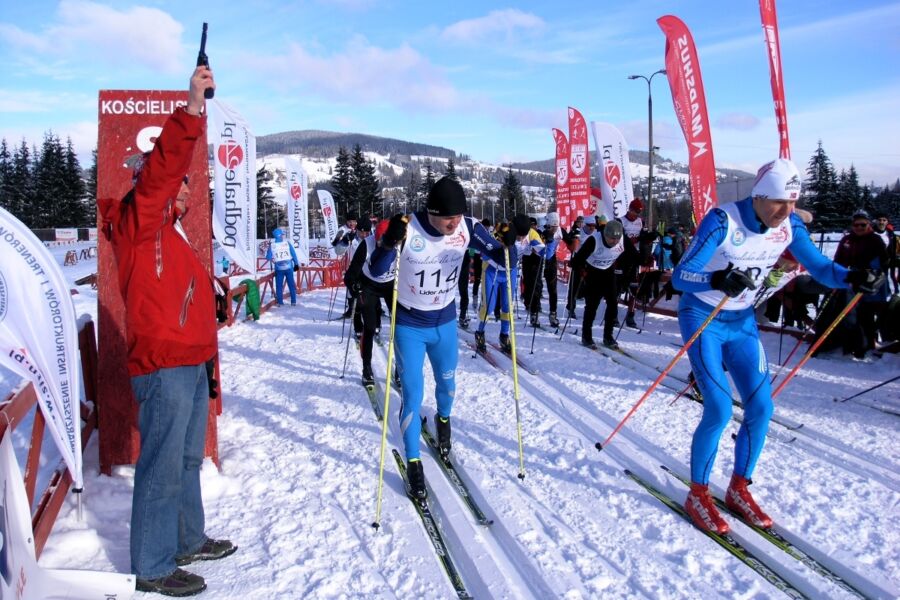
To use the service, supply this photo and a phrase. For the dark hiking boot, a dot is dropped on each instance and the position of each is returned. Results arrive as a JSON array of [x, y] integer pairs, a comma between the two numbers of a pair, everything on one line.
[[588, 343], [480, 343], [610, 342], [180, 583], [415, 474], [629, 321], [368, 377], [554, 322], [443, 435], [210, 550], [505, 344]]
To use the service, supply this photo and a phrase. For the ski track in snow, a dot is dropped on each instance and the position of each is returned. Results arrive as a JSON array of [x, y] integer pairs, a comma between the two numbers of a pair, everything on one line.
[[299, 465]]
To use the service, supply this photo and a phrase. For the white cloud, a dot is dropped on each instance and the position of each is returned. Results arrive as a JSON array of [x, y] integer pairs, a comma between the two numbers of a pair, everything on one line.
[[487, 28], [86, 31], [82, 133]]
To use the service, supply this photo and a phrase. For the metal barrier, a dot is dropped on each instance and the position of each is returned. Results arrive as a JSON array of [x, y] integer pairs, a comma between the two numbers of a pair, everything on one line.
[[19, 405]]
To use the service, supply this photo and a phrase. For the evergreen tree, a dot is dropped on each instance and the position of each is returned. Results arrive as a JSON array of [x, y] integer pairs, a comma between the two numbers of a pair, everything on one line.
[[49, 203], [5, 171], [269, 214], [512, 196], [90, 190], [426, 185], [73, 193], [366, 192], [411, 191], [450, 171], [821, 188], [342, 183], [19, 188]]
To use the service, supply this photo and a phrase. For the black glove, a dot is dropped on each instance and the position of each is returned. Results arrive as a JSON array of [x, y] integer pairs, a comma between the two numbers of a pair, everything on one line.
[[865, 281], [296, 268], [508, 236], [210, 378], [395, 232], [731, 282]]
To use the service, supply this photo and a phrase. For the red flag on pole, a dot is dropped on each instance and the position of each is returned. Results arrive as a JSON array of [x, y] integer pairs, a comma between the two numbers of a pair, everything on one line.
[[770, 27], [563, 206], [683, 72], [579, 164]]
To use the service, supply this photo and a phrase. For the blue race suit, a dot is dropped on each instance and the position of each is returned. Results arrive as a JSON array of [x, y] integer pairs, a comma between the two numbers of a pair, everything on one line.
[[284, 267], [421, 331], [728, 235]]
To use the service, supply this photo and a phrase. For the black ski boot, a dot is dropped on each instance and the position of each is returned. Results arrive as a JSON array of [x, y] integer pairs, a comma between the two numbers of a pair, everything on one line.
[[480, 344], [443, 435], [571, 313], [554, 322], [588, 343], [534, 321], [629, 321], [464, 321], [610, 342], [368, 378], [415, 474], [505, 345]]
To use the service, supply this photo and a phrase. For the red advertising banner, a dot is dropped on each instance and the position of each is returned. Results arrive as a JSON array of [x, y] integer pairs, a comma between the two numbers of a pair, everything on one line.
[[579, 164], [129, 122], [770, 28], [563, 204], [683, 71]]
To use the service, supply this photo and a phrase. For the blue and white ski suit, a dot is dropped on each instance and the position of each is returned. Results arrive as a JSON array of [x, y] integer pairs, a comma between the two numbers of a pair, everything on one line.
[[733, 234], [281, 252], [426, 312]]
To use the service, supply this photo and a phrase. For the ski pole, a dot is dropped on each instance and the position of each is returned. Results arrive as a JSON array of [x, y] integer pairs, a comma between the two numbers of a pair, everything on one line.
[[681, 393], [331, 301], [387, 392], [515, 369], [492, 297], [569, 312], [819, 312], [347, 347], [622, 324], [869, 389], [815, 346], [537, 278], [665, 371]]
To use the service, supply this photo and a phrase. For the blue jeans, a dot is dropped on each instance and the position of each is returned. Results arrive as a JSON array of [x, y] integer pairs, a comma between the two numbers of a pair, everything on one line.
[[280, 278], [412, 343], [166, 509]]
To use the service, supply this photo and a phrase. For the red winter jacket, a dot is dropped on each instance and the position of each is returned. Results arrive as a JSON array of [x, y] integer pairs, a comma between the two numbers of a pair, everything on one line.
[[170, 316]]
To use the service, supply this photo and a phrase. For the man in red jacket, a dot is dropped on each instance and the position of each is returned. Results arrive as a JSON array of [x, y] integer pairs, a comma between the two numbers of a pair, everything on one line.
[[170, 327]]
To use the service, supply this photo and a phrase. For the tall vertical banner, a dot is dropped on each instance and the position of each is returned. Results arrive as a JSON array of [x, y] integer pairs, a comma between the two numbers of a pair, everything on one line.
[[329, 215], [683, 72], [20, 574], [563, 205], [579, 164], [297, 208], [615, 170], [234, 207], [39, 335], [770, 27]]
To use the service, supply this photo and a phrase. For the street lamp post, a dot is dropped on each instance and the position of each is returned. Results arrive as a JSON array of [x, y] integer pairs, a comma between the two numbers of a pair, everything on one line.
[[650, 142]]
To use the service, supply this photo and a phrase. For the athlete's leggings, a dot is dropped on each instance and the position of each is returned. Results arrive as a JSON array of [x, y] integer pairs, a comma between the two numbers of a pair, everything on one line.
[[493, 293], [282, 276], [412, 344], [731, 338]]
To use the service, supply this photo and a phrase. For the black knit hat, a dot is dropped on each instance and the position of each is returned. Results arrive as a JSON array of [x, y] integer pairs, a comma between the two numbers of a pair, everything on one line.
[[521, 224], [446, 198]]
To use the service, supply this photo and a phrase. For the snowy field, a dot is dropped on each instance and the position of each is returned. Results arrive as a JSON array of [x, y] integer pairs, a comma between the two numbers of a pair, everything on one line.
[[299, 464]]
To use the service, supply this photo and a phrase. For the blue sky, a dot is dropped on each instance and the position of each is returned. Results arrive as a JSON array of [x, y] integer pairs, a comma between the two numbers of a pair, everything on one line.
[[486, 79]]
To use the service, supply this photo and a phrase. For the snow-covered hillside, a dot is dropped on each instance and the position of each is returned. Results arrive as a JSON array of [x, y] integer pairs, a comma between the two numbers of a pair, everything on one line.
[[299, 465]]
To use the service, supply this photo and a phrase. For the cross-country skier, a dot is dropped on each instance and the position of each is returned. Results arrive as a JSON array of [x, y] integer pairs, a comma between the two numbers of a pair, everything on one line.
[[598, 255], [431, 245], [367, 290], [735, 247], [281, 253], [552, 236]]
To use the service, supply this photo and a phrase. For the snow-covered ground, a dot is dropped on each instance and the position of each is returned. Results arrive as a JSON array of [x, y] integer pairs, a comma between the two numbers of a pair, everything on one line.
[[299, 445]]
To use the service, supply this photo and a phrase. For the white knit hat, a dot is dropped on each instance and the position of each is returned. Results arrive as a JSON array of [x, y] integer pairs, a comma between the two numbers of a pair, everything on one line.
[[777, 180], [552, 219]]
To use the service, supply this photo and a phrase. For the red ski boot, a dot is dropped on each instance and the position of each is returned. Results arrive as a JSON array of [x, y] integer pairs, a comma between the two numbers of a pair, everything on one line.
[[701, 508], [739, 500]]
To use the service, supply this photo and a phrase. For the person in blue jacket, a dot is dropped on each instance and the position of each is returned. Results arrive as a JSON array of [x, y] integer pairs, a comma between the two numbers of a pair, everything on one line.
[[735, 247], [431, 244], [281, 253]]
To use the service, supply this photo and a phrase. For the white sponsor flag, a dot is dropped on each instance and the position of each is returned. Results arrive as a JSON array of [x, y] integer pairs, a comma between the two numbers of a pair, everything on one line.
[[614, 170], [234, 207], [20, 575], [39, 335], [297, 205], [330, 216]]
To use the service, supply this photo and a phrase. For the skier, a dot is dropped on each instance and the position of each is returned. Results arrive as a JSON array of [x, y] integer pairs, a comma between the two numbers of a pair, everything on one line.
[[281, 253], [532, 257], [431, 244], [598, 256], [493, 294], [367, 291], [733, 251], [345, 239], [551, 236], [572, 239]]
